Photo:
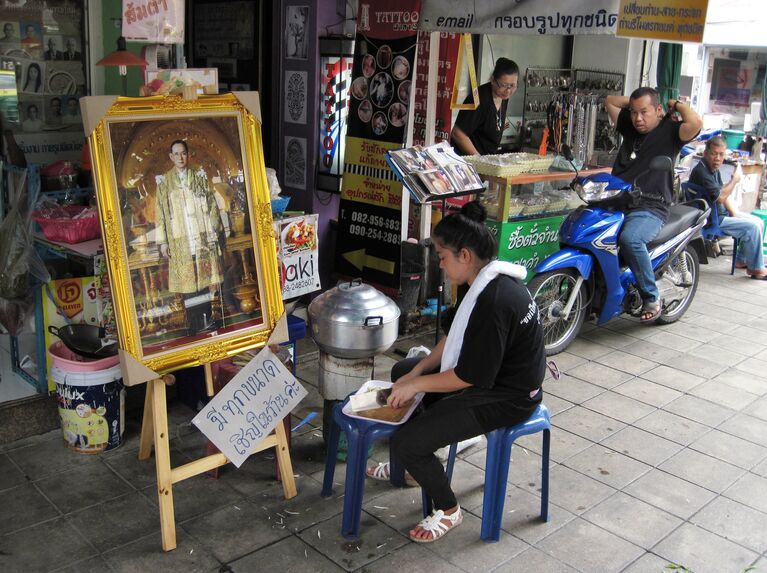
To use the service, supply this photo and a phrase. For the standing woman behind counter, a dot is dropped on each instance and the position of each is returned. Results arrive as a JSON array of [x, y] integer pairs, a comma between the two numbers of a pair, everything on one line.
[[478, 131]]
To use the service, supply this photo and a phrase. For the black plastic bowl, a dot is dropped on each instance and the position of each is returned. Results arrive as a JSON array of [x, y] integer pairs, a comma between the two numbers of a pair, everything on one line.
[[86, 340]]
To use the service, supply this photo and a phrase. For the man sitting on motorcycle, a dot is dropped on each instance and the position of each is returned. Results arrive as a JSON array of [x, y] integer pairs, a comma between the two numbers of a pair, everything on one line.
[[647, 132], [744, 227]]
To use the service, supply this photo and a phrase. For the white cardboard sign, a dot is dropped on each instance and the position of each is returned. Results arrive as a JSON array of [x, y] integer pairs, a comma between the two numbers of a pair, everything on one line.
[[155, 21], [250, 406]]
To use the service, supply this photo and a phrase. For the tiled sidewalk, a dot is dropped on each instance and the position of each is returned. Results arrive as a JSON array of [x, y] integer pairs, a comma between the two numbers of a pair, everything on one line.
[[659, 456]]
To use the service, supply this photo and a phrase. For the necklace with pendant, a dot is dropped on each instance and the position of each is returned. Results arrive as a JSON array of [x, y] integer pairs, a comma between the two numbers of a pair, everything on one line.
[[636, 146]]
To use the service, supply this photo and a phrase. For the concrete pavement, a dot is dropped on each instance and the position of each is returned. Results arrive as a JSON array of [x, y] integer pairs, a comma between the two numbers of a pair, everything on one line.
[[659, 456]]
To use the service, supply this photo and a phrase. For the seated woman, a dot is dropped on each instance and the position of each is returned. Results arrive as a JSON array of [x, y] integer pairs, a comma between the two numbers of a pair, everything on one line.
[[485, 375]]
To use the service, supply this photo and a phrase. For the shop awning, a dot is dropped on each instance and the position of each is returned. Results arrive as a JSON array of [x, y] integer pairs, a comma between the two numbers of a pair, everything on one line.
[[553, 17]]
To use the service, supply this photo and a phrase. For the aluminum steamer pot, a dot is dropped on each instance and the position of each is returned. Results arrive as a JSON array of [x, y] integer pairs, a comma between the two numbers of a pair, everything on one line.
[[354, 320]]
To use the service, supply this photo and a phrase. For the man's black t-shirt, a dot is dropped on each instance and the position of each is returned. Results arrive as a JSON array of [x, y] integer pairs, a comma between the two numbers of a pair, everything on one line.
[[657, 186], [483, 125], [503, 354]]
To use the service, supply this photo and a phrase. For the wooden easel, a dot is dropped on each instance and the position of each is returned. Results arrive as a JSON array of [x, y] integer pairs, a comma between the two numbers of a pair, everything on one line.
[[154, 430]]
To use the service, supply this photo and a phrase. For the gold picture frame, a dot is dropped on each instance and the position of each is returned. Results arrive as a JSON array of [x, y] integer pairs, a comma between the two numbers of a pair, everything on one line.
[[187, 225]]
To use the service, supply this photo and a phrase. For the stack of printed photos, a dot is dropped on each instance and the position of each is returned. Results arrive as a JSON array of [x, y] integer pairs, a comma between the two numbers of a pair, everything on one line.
[[434, 172]]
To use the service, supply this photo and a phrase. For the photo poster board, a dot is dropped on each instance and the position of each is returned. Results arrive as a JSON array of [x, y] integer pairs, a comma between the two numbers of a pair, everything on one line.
[[44, 49], [369, 221], [298, 255], [245, 411]]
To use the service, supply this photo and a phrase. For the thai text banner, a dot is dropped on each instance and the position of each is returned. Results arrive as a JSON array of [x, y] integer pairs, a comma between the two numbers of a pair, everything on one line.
[[673, 20], [553, 17]]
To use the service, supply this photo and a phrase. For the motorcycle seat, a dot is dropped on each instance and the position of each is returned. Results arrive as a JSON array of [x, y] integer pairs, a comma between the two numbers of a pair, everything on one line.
[[680, 218]]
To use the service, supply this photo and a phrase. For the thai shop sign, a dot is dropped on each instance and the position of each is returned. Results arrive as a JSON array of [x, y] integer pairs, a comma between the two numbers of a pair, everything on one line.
[[553, 17], [160, 21], [672, 20], [297, 253], [369, 219], [527, 243]]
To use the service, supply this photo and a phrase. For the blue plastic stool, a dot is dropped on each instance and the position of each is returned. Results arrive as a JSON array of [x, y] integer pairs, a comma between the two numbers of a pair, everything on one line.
[[499, 444], [360, 435]]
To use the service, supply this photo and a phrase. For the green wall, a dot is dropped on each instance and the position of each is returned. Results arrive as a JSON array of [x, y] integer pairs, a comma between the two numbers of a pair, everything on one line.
[[113, 83]]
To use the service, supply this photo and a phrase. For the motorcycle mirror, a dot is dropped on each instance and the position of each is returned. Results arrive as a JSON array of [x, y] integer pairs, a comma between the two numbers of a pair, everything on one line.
[[661, 163], [567, 153]]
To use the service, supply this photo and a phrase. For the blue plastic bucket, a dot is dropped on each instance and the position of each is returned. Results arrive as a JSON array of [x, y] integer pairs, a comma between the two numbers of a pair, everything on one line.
[[733, 137], [91, 408]]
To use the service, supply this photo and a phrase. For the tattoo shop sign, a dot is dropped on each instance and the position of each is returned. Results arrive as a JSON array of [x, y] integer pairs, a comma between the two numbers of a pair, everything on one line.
[[160, 21], [553, 17], [250, 406]]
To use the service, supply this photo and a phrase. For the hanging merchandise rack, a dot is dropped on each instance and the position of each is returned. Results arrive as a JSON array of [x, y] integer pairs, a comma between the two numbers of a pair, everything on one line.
[[570, 103]]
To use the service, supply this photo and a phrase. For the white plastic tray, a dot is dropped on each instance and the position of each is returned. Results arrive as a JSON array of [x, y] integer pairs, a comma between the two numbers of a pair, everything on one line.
[[377, 385]]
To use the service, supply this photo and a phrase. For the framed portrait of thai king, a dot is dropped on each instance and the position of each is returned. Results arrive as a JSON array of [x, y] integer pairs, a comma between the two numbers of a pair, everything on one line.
[[187, 225]]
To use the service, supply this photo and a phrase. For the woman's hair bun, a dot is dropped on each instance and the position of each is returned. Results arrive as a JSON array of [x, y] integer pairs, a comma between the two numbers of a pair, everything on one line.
[[475, 211]]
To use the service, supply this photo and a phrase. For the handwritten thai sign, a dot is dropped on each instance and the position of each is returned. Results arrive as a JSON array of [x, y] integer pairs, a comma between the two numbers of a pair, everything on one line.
[[159, 21], [250, 406], [677, 21]]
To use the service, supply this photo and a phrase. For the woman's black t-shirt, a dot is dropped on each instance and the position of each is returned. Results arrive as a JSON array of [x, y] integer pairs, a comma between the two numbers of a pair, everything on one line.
[[483, 125], [503, 355]]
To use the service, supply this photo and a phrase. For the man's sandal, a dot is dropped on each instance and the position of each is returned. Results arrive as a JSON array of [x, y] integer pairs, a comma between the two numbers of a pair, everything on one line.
[[435, 524], [382, 472], [651, 311]]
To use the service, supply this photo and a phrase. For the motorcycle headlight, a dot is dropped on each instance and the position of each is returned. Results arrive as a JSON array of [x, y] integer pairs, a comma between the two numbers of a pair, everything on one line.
[[593, 191]]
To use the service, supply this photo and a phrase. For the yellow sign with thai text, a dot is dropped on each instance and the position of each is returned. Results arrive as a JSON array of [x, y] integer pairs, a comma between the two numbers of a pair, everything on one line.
[[669, 20]]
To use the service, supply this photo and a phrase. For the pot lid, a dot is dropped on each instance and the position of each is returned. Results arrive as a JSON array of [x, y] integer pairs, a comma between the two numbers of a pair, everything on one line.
[[354, 303]]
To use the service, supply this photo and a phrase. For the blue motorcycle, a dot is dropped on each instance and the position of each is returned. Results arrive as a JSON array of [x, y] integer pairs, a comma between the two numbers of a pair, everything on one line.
[[588, 278]]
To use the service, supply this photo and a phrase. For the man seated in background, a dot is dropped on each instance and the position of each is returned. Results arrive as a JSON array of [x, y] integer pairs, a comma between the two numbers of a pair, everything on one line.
[[707, 178]]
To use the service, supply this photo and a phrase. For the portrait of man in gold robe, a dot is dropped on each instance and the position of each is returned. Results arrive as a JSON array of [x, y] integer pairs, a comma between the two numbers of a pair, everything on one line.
[[188, 224]]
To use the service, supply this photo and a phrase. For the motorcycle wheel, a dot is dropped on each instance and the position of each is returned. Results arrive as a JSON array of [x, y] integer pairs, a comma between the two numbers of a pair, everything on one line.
[[691, 257], [551, 292]]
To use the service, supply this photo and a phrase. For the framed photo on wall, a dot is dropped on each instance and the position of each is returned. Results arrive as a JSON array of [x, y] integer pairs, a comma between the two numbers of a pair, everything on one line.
[[187, 226]]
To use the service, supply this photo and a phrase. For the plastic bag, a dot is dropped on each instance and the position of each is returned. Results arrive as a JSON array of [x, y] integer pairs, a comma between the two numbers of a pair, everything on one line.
[[20, 265], [418, 351], [274, 185]]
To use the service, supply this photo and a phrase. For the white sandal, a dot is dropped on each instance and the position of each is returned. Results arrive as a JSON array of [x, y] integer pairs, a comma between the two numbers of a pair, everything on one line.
[[382, 472], [434, 524]]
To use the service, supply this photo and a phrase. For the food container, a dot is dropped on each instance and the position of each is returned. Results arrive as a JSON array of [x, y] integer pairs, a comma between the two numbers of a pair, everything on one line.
[[70, 224], [354, 320]]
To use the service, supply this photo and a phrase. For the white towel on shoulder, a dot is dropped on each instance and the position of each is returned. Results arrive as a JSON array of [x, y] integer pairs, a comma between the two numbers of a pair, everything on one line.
[[454, 340]]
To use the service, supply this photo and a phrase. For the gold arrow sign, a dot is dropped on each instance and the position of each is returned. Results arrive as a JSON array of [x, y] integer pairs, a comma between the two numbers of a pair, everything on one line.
[[360, 259]]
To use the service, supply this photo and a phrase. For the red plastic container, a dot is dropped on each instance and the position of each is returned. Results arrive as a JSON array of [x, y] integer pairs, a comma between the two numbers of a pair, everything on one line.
[[69, 230]]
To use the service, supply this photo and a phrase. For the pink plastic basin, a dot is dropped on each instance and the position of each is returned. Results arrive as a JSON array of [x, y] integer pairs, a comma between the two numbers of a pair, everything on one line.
[[65, 359]]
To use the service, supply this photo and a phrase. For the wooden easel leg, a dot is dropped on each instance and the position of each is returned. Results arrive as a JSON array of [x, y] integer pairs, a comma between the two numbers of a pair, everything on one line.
[[209, 389], [283, 459], [162, 461], [147, 427]]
